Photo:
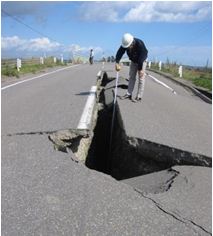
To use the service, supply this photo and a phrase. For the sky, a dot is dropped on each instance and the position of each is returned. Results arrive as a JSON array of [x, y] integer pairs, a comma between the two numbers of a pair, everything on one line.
[[178, 31]]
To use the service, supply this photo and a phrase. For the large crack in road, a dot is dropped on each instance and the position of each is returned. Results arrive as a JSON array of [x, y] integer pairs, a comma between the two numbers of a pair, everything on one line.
[[130, 156]]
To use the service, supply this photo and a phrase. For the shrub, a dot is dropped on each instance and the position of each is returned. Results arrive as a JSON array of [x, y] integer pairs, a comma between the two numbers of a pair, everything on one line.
[[10, 71]]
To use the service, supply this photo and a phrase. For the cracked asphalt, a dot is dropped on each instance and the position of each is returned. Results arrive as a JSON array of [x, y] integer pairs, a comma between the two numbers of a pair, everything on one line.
[[45, 193], [182, 121]]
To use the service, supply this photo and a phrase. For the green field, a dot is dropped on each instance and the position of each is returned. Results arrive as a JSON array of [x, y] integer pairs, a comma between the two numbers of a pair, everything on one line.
[[29, 67], [201, 77]]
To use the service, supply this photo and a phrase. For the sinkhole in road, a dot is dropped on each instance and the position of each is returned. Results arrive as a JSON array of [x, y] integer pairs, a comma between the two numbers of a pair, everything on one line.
[[122, 160], [128, 156]]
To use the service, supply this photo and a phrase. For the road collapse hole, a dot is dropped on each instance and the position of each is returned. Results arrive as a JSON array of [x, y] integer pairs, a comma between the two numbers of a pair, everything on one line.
[[126, 157], [123, 160], [74, 140], [98, 154], [129, 156]]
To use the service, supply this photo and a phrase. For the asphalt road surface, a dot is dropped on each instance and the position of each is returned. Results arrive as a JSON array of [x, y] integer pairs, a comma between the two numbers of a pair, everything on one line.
[[45, 193], [49, 103], [181, 120]]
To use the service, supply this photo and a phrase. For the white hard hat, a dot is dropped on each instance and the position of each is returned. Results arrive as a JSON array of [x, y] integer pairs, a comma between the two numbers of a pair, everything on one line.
[[127, 40]]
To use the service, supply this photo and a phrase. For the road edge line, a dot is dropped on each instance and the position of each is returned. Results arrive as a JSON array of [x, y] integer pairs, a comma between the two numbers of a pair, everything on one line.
[[37, 77], [86, 117]]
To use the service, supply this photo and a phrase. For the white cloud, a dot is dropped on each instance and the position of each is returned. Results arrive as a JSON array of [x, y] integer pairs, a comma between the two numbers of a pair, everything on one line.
[[118, 11], [11, 42], [75, 48], [12, 46], [169, 12], [37, 44], [98, 11], [181, 11]]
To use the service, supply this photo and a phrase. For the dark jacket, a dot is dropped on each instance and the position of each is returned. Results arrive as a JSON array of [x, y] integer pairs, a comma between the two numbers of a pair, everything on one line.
[[137, 54]]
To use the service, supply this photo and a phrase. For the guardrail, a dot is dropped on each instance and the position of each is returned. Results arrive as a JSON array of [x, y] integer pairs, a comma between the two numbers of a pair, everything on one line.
[[8, 62], [18, 63]]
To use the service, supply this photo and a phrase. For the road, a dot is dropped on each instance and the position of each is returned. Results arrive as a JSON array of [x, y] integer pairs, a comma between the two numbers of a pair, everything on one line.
[[181, 120], [48, 103], [44, 192]]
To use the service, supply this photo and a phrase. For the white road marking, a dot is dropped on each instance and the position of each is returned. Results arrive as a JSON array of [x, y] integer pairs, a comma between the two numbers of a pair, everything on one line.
[[37, 77], [99, 74], [161, 83], [86, 117]]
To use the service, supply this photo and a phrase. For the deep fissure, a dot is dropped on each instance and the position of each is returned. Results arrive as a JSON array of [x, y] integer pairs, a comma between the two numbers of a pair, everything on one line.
[[124, 161], [129, 156]]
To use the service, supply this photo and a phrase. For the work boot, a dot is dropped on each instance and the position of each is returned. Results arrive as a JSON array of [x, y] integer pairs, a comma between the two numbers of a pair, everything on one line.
[[133, 100], [126, 96], [138, 99]]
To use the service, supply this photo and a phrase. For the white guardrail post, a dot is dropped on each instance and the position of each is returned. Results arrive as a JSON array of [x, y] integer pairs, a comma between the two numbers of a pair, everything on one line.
[[180, 71], [160, 65], [18, 64], [41, 60]]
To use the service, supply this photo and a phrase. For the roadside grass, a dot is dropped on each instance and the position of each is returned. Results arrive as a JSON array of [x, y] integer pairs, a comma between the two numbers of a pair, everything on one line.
[[201, 77], [11, 71]]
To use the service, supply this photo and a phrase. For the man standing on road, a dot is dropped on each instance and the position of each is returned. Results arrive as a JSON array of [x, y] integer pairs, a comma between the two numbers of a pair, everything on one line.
[[91, 56], [137, 53]]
